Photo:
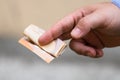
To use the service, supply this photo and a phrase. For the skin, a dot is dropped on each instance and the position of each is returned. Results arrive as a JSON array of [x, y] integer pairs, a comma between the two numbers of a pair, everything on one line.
[[90, 29]]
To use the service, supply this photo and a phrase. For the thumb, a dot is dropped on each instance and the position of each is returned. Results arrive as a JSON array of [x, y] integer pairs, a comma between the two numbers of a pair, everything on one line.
[[84, 25]]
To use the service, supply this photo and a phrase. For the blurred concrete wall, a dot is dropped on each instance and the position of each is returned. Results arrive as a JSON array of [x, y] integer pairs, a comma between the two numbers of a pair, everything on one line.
[[15, 15]]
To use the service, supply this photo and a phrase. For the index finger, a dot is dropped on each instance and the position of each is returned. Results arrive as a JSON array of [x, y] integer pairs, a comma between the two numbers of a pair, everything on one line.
[[63, 26]]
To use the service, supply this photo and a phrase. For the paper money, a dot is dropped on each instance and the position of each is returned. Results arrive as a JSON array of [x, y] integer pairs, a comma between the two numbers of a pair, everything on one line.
[[47, 52]]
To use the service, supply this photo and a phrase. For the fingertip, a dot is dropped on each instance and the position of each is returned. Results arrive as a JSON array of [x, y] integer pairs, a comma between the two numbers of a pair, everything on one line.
[[41, 41], [97, 53], [91, 53]]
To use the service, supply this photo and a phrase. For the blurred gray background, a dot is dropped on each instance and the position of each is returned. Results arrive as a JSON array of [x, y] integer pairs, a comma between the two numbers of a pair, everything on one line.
[[18, 63]]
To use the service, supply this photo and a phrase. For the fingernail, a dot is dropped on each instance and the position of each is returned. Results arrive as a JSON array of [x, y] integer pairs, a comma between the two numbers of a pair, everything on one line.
[[90, 54], [76, 33], [41, 41]]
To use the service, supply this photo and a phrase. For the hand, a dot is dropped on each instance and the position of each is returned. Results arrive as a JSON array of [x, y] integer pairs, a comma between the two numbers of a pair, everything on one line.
[[90, 29]]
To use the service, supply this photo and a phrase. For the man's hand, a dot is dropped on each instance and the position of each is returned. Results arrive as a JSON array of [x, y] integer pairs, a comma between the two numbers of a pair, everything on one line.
[[90, 29]]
